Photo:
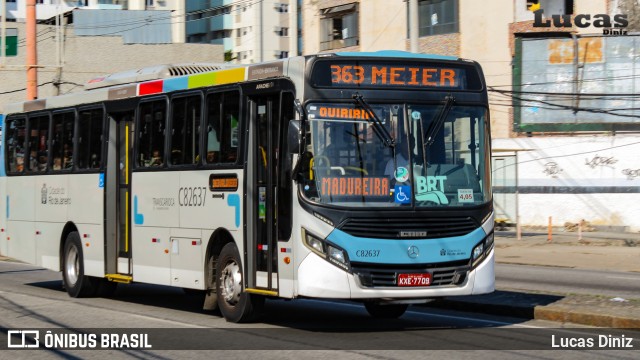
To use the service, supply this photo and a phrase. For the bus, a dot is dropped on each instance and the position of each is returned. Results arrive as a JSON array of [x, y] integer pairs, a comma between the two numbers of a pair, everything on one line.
[[353, 175]]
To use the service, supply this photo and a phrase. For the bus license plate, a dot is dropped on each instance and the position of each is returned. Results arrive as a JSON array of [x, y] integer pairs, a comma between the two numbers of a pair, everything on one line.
[[414, 279]]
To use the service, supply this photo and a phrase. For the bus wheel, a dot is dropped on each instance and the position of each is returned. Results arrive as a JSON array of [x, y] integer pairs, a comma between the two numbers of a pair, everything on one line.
[[76, 283], [235, 305], [391, 311]]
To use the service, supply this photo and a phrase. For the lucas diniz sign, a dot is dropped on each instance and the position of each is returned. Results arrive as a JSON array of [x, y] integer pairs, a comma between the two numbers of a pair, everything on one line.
[[610, 25]]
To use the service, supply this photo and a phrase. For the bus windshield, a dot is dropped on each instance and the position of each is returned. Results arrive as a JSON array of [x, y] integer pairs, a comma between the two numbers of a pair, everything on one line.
[[440, 158]]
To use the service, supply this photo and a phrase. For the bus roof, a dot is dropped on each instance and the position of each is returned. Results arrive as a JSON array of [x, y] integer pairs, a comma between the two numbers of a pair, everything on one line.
[[397, 54], [153, 80]]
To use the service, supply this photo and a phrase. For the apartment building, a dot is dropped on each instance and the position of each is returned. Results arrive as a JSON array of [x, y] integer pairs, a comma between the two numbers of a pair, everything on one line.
[[250, 31]]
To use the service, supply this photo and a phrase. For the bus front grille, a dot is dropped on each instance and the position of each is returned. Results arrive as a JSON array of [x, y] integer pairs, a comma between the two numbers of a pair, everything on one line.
[[384, 276], [399, 228]]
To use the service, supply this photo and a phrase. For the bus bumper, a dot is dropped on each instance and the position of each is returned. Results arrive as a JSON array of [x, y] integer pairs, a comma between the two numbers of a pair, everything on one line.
[[319, 279]]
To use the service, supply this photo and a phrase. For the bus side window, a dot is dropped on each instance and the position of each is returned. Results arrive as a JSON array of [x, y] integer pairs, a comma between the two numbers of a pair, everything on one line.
[[62, 141], [185, 130], [89, 145], [221, 137], [38, 143], [15, 144], [152, 133]]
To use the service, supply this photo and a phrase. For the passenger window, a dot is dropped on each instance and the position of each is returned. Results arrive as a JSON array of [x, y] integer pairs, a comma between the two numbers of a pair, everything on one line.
[[151, 133], [38, 143], [16, 131], [185, 130], [222, 137], [62, 141], [89, 147]]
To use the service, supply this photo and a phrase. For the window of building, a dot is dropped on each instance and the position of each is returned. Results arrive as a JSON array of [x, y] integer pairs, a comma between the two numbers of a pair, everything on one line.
[[550, 7], [62, 141], [16, 131], [222, 135], [282, 8], [437, 17], [151, 133], [89, 146], [339, 27], [281, 54], [38, 143], [185, 130], [282, 31]]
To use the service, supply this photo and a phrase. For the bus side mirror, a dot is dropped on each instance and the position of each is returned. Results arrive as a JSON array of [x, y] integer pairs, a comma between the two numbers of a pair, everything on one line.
[[294, 137]]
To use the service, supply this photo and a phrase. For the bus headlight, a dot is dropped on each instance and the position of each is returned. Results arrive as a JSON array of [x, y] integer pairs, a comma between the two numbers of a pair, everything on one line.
[[481, 250], [477, 251], [337, 257], [327, 251], [315, 244]]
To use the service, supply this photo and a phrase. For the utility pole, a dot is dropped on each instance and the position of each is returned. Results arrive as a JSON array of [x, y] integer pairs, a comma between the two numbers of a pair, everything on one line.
[[32, 52], [413, 26], [3, 31]]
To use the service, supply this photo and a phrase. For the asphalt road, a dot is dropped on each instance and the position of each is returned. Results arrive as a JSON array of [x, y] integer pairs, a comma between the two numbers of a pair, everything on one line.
[[565, 280], [32, 298]]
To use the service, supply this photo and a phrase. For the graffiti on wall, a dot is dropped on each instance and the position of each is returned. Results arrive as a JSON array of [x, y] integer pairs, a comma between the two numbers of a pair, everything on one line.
[[552, 169], [599, 161], [631, 174]]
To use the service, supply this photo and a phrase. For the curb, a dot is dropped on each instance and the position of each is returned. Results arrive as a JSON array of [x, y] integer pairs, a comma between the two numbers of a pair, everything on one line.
[[566, 315], [539, 307]]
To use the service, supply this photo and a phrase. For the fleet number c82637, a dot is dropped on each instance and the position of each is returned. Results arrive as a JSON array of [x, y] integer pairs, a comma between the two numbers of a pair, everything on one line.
[[192, 196]]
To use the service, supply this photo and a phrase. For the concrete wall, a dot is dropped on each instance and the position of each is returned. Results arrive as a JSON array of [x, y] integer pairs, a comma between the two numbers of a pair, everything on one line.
[[595, 178], [383, 25], [89, 57]]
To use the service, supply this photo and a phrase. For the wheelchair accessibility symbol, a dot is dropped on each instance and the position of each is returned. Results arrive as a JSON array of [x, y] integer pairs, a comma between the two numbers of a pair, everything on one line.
[[402, 194]]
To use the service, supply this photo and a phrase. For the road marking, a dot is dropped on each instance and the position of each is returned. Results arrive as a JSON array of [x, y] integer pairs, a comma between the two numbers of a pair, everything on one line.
[[623, 277]]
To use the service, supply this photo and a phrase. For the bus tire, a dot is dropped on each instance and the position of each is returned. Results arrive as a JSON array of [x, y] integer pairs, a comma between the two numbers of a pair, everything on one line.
[[76, 283], [392, 311], [234, 304]]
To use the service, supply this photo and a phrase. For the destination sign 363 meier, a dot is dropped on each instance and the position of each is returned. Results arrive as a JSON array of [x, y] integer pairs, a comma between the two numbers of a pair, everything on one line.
[[345, 74]]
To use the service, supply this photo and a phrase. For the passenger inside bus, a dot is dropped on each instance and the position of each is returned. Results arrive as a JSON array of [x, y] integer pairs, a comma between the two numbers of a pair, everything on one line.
[[57, 163], [156, 159]]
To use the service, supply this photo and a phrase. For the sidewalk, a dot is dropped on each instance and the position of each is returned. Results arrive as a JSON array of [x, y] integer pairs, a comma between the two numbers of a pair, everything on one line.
[[596, 250]]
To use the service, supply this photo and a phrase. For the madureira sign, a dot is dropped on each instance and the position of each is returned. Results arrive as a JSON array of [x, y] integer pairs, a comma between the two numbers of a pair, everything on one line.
[[11, 42]]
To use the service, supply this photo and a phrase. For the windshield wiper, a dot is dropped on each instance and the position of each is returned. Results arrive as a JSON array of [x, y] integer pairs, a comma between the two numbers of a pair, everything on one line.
[[378, 128], [438, 120]]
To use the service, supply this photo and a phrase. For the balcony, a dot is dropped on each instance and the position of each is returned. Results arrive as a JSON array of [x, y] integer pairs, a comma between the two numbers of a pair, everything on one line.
[[339, 43]]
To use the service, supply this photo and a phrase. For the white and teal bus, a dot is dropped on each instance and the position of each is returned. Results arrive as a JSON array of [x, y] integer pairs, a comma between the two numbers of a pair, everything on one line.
[[362, 176]]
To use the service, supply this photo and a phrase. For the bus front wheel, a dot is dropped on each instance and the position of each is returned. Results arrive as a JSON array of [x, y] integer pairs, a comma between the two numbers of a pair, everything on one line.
[[391, 311], [235, 304], [76, 283]]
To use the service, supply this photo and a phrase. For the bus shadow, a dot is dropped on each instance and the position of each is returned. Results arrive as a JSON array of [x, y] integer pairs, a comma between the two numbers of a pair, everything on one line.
[[501, 308]]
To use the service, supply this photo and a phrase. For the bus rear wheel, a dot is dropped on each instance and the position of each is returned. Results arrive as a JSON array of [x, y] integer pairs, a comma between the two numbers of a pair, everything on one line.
[[76, 283], [235, 304], [391, 311]]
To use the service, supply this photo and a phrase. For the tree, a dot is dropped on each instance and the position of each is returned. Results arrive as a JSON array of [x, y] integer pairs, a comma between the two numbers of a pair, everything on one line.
[[228, 56]]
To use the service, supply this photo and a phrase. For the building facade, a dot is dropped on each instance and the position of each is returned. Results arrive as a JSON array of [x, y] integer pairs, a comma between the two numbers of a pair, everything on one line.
[[87, 57], [250, 31]]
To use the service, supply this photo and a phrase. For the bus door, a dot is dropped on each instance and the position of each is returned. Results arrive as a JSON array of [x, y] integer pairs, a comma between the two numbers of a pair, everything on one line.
[[263, 150], [118, 199]]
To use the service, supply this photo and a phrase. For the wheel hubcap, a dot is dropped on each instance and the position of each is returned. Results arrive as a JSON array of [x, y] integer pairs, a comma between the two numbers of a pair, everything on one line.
[[72, 266], [231, 283]]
